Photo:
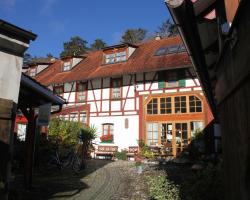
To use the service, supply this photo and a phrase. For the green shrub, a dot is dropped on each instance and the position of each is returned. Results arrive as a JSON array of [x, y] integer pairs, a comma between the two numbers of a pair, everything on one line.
[[145, 152], [160, 188], [121, 155], [63, 131]]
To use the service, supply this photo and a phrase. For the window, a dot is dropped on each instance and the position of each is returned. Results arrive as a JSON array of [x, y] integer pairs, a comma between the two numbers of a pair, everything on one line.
[[180, 104], [110, 58], [107, 133], [68, 87], [181, 136], [32, 72], [64, 117], [174, 104], [171, 79], [121, 56], [152, 134], [126, 123], [152, 106], [74, 117], [58, 89], [83, 117], [81, 90], [195, 104], [165, 106], [196, 126], [115, 57], [66, 66], [116, 88], [182, 48], [170, 49], [172, 84]]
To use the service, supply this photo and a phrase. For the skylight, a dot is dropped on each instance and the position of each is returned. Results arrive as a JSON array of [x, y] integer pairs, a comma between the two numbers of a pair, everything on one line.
[[170, 49]]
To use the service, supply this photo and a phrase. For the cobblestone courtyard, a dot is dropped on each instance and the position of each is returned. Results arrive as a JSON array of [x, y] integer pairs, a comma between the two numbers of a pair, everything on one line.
[[102, 180]]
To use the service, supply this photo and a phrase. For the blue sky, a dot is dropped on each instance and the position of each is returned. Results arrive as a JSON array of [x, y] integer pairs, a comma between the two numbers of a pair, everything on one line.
[[55, 21]]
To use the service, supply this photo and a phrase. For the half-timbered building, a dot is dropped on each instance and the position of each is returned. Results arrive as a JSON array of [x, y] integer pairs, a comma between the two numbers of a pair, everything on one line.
[[146, 92]]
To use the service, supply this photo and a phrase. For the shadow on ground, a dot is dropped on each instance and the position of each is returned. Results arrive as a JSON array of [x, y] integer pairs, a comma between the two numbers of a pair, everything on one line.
[[55, 184]]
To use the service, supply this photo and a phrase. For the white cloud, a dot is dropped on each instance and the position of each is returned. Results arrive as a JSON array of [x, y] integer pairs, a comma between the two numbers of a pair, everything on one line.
[[7, 4], [47, 6]]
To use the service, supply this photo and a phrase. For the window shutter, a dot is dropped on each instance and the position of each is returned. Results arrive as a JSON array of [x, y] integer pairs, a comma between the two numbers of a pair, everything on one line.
[[161, 80], [182, 83]]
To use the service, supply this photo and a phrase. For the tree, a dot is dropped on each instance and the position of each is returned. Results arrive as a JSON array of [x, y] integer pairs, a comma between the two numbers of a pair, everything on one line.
[[27, 58], [74, 47], [49, 55], [167, 29], [133, 36], [98, 44]]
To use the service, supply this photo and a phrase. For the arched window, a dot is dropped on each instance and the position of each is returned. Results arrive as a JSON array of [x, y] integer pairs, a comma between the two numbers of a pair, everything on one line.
[[195, 104]]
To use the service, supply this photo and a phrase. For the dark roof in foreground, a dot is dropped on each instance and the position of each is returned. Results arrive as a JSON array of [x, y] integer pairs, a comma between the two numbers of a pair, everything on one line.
[[34, 94], [16, 32]]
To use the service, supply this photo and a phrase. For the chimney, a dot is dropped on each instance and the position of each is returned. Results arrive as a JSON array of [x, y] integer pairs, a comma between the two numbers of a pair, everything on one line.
[[158, 36]]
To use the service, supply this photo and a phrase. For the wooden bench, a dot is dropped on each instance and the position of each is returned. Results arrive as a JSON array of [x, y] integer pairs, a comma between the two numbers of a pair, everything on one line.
[[132, 151], [106, 151]]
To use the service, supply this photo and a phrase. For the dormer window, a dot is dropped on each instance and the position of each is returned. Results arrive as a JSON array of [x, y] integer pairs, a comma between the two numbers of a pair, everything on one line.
[[66, 66], [32, 72], [115, 57], [118, 53]]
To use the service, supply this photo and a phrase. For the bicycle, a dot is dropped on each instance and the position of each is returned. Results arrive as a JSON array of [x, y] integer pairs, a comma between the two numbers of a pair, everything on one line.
[[72, 160]]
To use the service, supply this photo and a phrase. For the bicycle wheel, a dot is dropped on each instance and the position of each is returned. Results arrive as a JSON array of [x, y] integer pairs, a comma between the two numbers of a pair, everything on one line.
[[54, 163], [76, 164]]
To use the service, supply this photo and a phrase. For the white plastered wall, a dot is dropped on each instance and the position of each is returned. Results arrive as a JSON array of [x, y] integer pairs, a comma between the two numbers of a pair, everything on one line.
[[123, 138], [10, 75]]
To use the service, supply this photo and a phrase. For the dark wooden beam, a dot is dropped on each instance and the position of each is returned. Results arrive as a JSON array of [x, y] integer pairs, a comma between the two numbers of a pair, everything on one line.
[[7, 121], [29, 146]]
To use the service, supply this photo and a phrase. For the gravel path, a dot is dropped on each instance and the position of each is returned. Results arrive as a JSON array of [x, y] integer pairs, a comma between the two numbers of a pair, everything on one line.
[[102, 180], [115, 181]]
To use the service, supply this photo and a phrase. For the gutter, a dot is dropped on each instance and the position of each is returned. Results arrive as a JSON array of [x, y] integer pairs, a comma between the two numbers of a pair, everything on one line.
[[182, 12]]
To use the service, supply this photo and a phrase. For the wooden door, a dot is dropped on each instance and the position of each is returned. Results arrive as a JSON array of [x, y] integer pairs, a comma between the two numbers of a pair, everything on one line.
[[181, 137]]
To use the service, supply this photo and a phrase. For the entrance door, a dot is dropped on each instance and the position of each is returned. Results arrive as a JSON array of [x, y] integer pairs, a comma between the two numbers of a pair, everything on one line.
[[167, 137], [181, 136]]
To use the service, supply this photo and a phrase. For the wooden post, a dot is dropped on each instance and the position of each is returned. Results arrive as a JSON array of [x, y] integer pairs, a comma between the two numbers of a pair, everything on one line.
[[29, 146]]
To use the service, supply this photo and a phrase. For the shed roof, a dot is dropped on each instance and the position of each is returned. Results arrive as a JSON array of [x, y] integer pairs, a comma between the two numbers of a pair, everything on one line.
[[33, 94]]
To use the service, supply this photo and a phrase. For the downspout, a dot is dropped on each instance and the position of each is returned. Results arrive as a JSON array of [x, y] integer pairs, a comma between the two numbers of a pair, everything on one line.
[[183, 15]]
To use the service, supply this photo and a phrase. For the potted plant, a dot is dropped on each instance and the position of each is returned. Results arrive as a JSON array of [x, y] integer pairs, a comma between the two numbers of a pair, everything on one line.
[[87, 134]]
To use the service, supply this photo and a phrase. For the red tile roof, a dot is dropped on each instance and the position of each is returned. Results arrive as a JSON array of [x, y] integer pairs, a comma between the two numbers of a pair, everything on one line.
[[142, 60]]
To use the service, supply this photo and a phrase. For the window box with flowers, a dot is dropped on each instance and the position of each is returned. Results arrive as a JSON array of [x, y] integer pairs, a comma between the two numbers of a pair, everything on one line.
[[107, 139], [107, 133]]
